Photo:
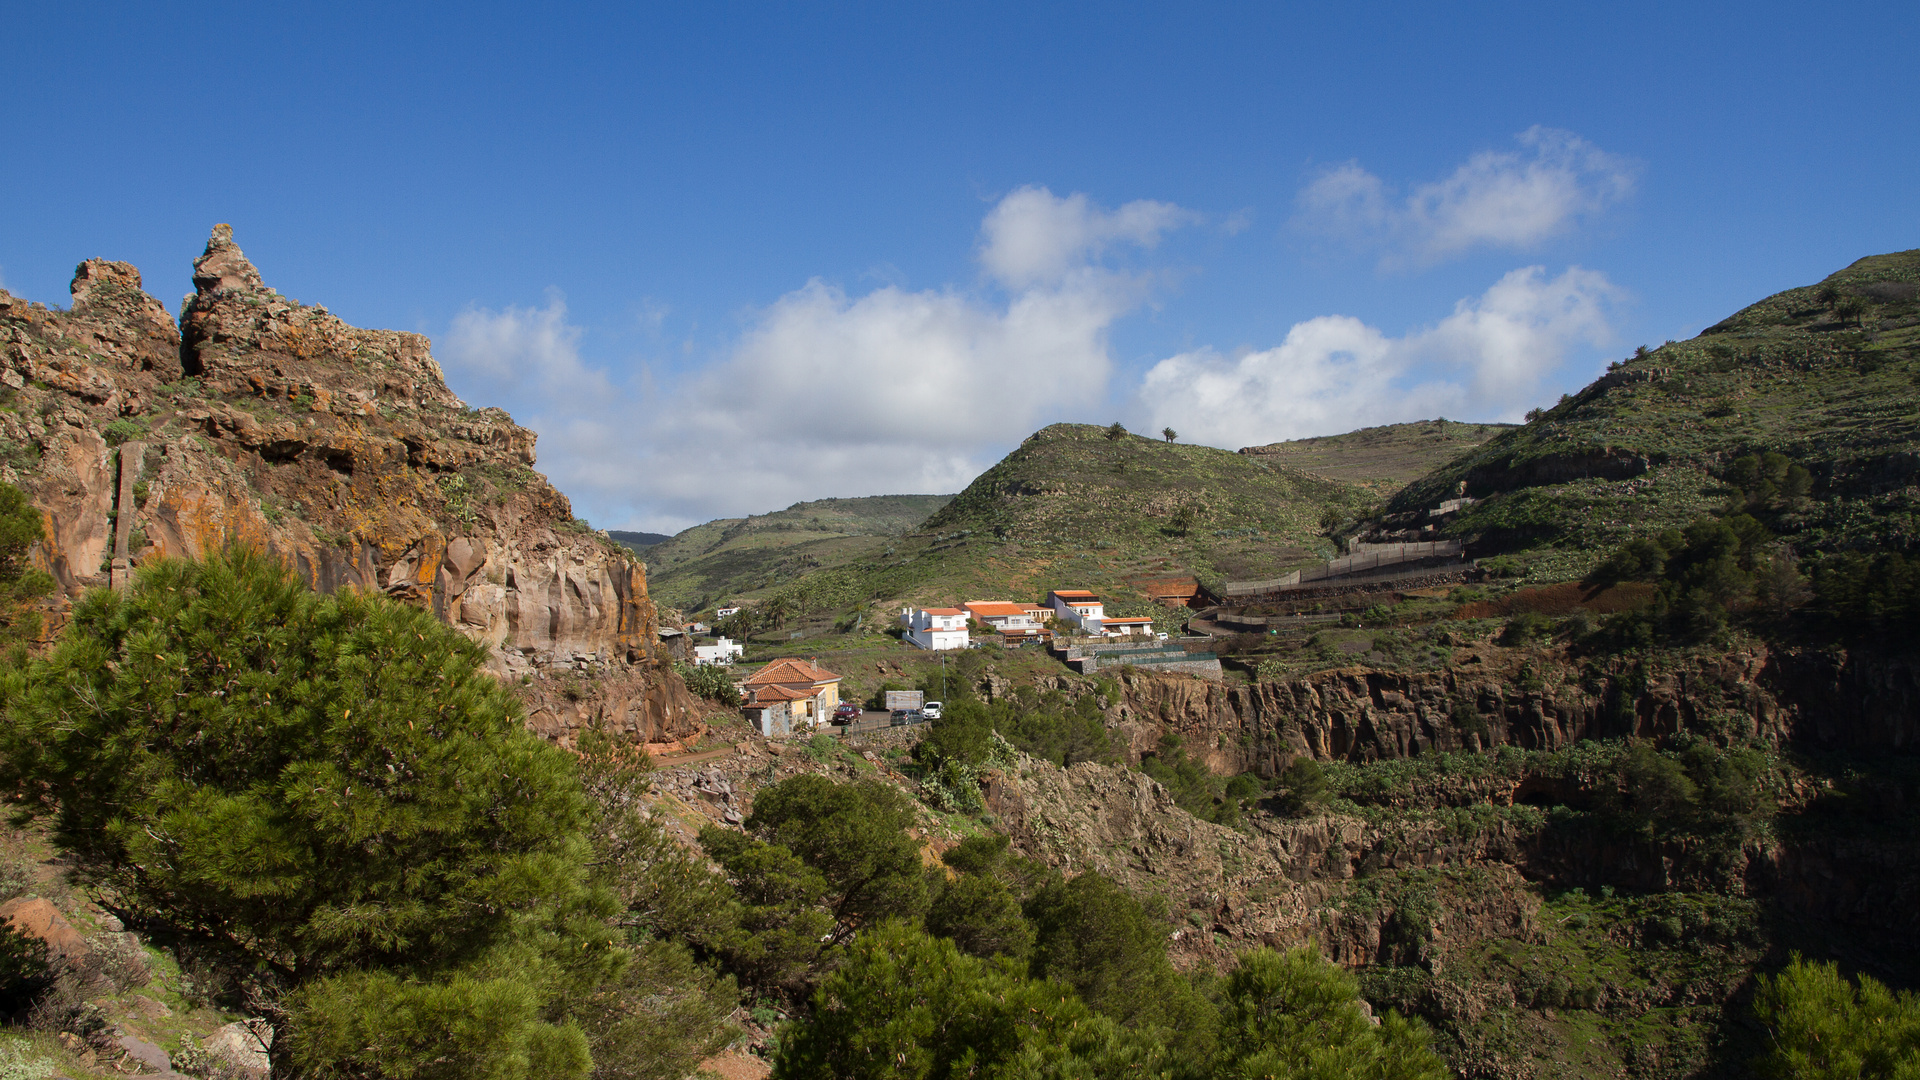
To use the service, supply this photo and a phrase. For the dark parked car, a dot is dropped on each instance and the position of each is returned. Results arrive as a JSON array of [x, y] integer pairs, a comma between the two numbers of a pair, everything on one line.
[[902, 717], [846, 713]]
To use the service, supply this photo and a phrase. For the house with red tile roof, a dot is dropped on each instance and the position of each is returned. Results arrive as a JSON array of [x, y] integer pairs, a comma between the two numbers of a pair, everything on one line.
[[1013, 622], [935, 628], [809, 691], [1126, 626]]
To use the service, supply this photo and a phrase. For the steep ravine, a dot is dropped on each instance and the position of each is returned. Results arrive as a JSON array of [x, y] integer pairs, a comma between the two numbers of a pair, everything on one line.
[[260, 420]]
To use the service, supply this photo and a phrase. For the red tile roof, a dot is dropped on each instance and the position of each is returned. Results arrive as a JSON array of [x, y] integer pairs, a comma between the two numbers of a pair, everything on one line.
[[943, 611], [791, 670], [1065, 594], [1111, 619], [776, 692], [995, 609]]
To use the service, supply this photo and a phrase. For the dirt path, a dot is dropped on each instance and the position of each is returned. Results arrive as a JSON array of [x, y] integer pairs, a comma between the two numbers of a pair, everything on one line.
[[674, 761]]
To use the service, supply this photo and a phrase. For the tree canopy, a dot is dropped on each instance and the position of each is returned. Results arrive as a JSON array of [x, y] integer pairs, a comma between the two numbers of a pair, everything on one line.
[[1820, 1026], [329, 792]]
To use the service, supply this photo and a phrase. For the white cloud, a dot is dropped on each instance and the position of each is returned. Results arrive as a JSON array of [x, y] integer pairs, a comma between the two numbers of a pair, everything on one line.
[[1505, 199], [1032, 237], [533, 346], [1335, 373], [827, 394]]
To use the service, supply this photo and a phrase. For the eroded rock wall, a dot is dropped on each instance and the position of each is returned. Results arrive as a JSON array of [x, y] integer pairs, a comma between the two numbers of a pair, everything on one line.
[[260, 420], [1532, 698]]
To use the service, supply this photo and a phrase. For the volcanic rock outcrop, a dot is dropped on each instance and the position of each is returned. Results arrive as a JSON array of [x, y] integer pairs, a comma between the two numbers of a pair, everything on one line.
[[260, 420]]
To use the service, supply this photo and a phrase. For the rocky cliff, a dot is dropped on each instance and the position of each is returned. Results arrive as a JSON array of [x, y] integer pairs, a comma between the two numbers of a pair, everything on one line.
[[1533, 698], [260, 420]]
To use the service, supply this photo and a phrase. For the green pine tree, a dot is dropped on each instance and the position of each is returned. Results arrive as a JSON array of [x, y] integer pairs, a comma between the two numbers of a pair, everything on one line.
[[330, 792]]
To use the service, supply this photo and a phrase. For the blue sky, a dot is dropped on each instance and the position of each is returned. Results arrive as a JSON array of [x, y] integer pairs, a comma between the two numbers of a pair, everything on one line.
[[724, 257]]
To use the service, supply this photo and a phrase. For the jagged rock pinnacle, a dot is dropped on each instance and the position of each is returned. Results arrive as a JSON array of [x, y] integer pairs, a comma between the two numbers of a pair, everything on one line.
[[224, 265]]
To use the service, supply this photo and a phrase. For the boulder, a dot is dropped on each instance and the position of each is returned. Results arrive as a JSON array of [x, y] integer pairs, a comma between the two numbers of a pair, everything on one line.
[[37, 916], [242, 1045]]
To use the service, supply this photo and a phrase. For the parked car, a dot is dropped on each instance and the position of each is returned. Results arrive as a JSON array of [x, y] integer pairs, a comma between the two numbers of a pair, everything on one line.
[[900, 718], [846, 713], [931, 710]]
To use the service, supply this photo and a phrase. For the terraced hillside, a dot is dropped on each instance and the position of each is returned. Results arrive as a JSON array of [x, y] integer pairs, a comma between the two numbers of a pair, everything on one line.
[[1827, 374], [1383, 459]]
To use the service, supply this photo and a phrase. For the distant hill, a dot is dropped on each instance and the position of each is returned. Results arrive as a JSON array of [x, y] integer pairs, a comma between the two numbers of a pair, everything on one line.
[[1383, 459], [728, 558], [1069, 507], [1827, 374], [1071, 489], [638, 541]]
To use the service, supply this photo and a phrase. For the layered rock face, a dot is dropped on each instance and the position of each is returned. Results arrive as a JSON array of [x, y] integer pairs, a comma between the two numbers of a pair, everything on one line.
[[1536, 699], [260, 420]]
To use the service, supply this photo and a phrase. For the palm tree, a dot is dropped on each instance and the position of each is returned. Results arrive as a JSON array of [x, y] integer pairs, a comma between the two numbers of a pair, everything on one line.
[[1169, 433]]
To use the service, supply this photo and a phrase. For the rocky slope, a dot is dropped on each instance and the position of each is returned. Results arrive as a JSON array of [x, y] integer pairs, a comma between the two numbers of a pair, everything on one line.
[[256, 419]]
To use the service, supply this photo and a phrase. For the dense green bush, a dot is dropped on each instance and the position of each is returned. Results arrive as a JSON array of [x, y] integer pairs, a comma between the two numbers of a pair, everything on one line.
[[855, 836], [1703, 575], [909, 1005], [713, 681], [1877, 592], [20, 583], [1195, 788], [1303, 787], [1294, 1015], [1822, 1027], [328, 792], [1769, 481], [1099, 939]]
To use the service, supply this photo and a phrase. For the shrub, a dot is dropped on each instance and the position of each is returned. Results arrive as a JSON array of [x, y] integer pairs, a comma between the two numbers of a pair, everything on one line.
[[19, 1062], [1295, 1015], [1304, 787], [123, 430], [331, 793], [1822, 1027], [711, 681]]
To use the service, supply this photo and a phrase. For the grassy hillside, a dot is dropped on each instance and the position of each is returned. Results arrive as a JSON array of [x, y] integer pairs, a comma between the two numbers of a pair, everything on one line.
[[1069, 507], [1213, 511], [1827, 374], [638, 541], [720, 560], [1383, 459]]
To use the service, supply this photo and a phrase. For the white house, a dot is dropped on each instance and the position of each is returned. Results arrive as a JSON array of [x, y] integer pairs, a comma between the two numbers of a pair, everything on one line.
[[935, 628], [1078, 607], [722, 651], [721, 613]]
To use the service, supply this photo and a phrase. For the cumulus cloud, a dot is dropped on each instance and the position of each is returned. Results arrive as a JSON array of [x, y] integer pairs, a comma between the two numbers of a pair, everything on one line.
[[825, 393], [1033, 237], [533, 345], [1335, 373], [1512, 199]]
